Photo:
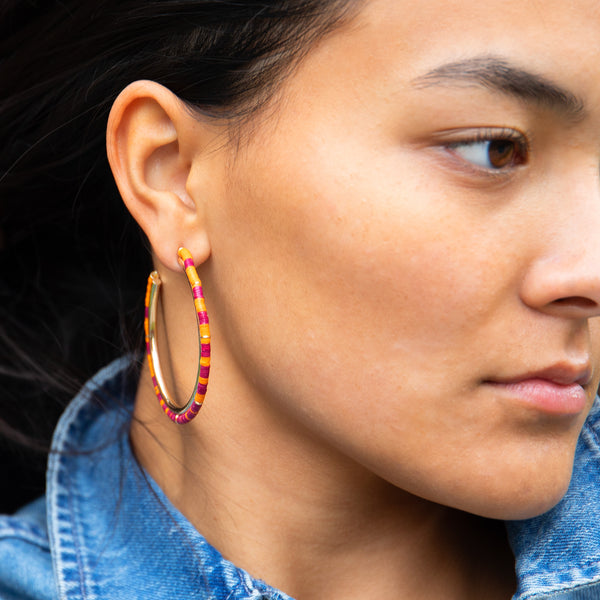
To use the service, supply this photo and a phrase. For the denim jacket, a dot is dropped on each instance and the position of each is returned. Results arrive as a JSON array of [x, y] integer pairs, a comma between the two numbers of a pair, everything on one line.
[[105, 530]]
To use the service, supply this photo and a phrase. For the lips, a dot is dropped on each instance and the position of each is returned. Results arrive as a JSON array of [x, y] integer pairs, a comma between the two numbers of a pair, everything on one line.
[[556, 390]]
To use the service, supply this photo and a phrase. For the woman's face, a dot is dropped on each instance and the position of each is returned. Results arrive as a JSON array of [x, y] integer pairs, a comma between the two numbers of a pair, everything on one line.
[[406, 255]]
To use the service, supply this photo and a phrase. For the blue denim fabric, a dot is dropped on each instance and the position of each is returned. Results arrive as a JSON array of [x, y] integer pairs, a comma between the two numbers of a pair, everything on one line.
[[560, 550], [106, 531]]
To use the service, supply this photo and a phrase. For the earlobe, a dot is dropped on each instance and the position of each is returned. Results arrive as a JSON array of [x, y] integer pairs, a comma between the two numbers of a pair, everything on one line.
[[151, 157]]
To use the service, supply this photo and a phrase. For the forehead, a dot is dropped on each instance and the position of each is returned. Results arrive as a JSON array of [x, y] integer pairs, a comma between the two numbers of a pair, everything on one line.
[[400, 38], [432, 22]]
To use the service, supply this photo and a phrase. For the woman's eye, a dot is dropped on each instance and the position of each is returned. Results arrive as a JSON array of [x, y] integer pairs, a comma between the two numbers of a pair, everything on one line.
[[492, 153]]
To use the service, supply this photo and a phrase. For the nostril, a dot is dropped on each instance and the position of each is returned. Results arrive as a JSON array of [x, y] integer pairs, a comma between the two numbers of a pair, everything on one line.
[[577, 301]]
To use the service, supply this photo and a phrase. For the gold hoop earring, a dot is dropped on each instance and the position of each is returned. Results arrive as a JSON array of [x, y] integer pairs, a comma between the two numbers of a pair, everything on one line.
[[186, 413]]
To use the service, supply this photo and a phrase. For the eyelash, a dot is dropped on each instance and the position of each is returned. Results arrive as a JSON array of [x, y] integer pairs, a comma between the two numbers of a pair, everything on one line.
[[519, 156]]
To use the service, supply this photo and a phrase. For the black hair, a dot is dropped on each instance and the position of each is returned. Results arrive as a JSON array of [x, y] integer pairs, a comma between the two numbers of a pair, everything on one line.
[[73, 264]]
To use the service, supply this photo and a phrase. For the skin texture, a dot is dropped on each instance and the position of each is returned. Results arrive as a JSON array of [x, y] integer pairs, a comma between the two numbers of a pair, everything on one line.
[[372, 287]]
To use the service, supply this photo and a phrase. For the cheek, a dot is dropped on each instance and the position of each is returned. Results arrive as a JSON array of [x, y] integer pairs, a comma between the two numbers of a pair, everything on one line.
[[367, 308], [354, 284]]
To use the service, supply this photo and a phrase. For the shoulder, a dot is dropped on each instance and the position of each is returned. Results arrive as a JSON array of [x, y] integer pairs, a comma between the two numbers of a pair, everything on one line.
[[25, 561]]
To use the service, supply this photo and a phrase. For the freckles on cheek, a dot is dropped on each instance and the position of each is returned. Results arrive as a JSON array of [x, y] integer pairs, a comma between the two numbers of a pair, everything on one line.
[[388, 265], [435, 279]]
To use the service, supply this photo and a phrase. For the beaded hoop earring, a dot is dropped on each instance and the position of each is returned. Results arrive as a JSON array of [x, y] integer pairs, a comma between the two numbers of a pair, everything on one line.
[[186, 413]]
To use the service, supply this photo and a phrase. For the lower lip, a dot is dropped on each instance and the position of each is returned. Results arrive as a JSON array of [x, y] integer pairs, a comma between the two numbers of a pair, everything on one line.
[[546, 396]]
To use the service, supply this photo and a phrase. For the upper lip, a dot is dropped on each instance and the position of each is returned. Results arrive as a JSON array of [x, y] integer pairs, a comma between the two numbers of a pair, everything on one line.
[[562, 373]]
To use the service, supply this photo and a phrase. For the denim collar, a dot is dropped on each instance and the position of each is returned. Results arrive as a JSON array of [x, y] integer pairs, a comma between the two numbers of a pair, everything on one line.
[[114, 534], [558, 553], [112, 531]]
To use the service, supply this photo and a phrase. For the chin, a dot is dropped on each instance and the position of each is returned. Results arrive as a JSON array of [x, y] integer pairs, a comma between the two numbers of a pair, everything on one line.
[[534, 506], [530, 493]]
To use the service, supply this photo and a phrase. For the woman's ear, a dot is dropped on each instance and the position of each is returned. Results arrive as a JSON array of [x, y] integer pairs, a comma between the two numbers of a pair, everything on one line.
[[153, 141]]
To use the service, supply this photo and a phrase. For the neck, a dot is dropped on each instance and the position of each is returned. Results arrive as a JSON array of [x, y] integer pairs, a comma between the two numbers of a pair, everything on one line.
[[307, 519]]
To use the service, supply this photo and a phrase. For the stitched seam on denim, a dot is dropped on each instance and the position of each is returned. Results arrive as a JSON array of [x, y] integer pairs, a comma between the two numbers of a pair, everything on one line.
[[81, 567], [64, 541], [55, 509]]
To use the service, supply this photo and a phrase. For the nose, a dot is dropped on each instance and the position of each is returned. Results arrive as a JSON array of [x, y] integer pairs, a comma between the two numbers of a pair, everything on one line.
[[564, 279]]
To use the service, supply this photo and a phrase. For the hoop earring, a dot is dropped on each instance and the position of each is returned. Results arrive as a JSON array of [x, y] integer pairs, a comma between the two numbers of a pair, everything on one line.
[[186, 413]]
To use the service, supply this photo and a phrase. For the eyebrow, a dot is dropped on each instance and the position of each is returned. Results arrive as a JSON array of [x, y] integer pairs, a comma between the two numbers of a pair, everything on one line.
[[498, 74]]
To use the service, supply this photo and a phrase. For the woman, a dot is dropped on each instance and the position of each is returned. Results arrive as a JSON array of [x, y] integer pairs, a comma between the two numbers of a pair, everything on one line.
[[392, 208]]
